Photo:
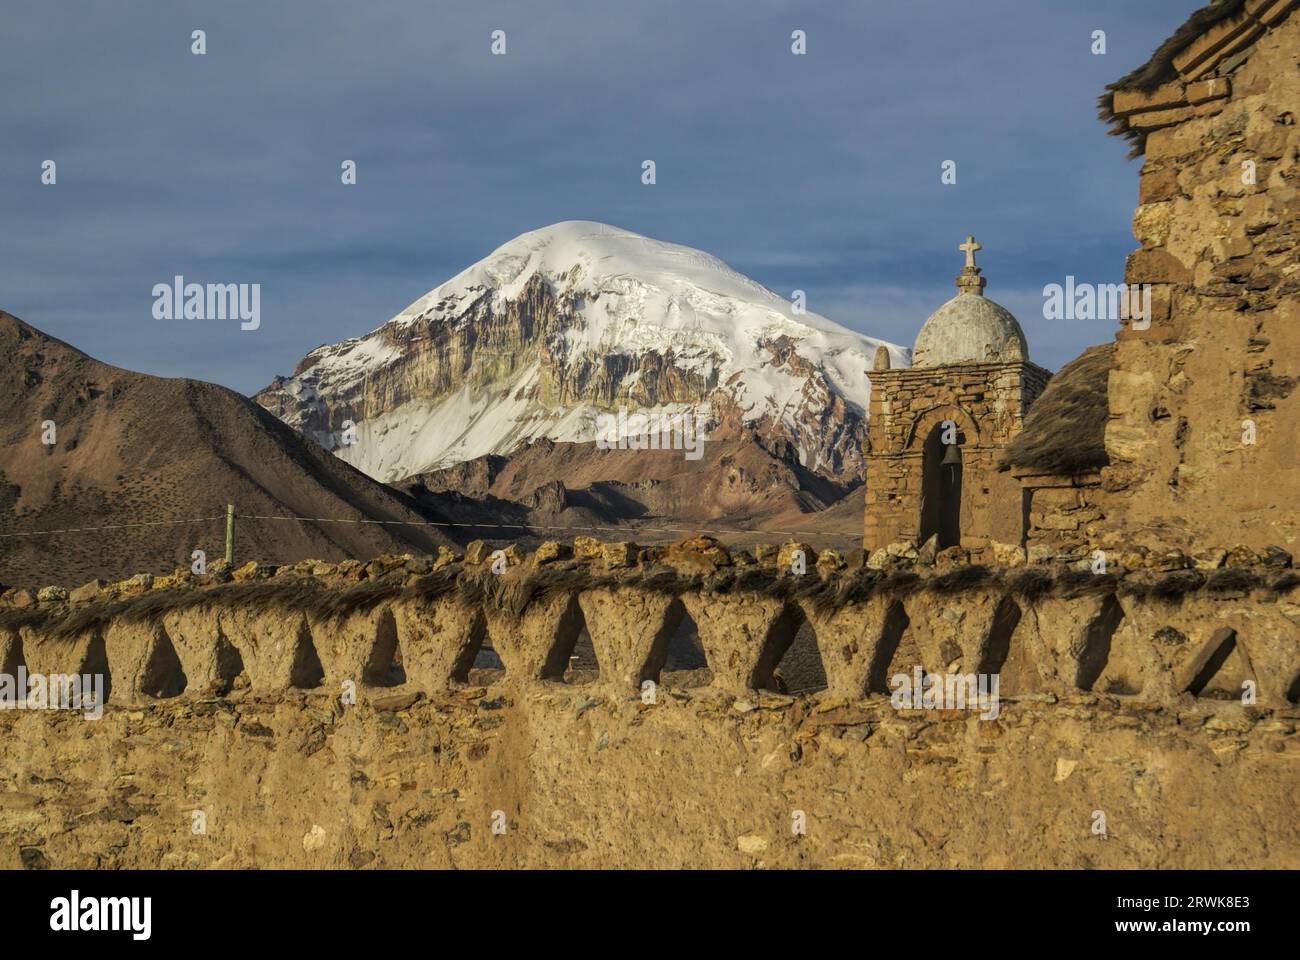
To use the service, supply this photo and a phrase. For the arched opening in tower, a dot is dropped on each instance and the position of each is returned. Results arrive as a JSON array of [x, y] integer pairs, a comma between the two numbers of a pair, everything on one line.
[[941, 475]]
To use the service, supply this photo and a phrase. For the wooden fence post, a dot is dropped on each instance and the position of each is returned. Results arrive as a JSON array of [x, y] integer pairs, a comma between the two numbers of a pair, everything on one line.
[[230, 535]]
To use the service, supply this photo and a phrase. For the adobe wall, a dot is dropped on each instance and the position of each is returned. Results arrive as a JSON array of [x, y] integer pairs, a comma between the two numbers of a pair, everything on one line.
[[1224, 344], [583, 780], [1119, 694], [1064, 511]]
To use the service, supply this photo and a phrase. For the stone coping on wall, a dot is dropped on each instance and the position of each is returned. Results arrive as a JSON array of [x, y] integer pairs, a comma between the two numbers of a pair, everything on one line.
[[1196, 65], [1157, 633], [946, 373], [698, 563]]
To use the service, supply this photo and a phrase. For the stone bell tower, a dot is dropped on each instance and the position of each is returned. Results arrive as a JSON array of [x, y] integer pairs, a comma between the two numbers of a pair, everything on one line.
[[936, 430]]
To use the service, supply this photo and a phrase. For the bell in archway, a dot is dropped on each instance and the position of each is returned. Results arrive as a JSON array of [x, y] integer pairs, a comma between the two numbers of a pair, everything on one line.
[[951, 460]]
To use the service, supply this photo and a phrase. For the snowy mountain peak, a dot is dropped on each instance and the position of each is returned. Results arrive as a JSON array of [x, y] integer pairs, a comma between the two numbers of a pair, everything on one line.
[[695, 286], [568, 320], [578, 251]]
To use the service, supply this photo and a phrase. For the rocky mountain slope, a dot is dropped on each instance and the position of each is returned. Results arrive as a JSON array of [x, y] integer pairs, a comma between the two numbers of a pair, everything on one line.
[[136, 449], [567, 322], [645, 495]]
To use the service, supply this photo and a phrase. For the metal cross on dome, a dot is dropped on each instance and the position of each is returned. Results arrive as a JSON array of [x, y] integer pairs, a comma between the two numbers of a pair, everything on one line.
[[969, 248]]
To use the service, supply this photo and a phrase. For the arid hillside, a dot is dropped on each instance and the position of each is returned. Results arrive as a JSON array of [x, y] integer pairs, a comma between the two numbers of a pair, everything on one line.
[[136, 449], [649, 495]]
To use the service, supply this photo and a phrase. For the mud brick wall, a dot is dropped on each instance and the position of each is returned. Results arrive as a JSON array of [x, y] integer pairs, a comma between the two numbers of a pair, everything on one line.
[[988, 402], [1063, 514], [584, 780], [1119, 693], [1223, 260]]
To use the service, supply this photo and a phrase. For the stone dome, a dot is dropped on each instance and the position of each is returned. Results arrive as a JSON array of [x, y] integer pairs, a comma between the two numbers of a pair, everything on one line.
[[969, 328]]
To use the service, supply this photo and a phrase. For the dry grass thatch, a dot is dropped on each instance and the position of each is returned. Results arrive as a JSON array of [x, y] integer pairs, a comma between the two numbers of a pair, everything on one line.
[[1160, 68], [514, 592], [1065, 430]]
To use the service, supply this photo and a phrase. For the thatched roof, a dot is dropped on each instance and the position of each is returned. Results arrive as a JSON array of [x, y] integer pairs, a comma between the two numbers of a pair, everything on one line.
[[1160, 68], [1064, 432], [1209, 45]]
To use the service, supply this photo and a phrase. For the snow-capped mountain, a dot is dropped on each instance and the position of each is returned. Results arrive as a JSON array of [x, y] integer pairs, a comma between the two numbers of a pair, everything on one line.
[[570, 321]]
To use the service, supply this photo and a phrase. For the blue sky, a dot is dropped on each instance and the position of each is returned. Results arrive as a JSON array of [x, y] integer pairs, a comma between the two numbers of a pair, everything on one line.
[[817, 172]]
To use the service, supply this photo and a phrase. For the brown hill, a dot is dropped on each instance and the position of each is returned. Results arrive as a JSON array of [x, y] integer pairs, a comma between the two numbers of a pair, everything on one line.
[[649, 495], [136, 449]]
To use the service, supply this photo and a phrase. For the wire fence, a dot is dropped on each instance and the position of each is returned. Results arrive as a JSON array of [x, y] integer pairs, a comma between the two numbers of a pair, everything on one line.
[[109, 526], [631, 530]]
